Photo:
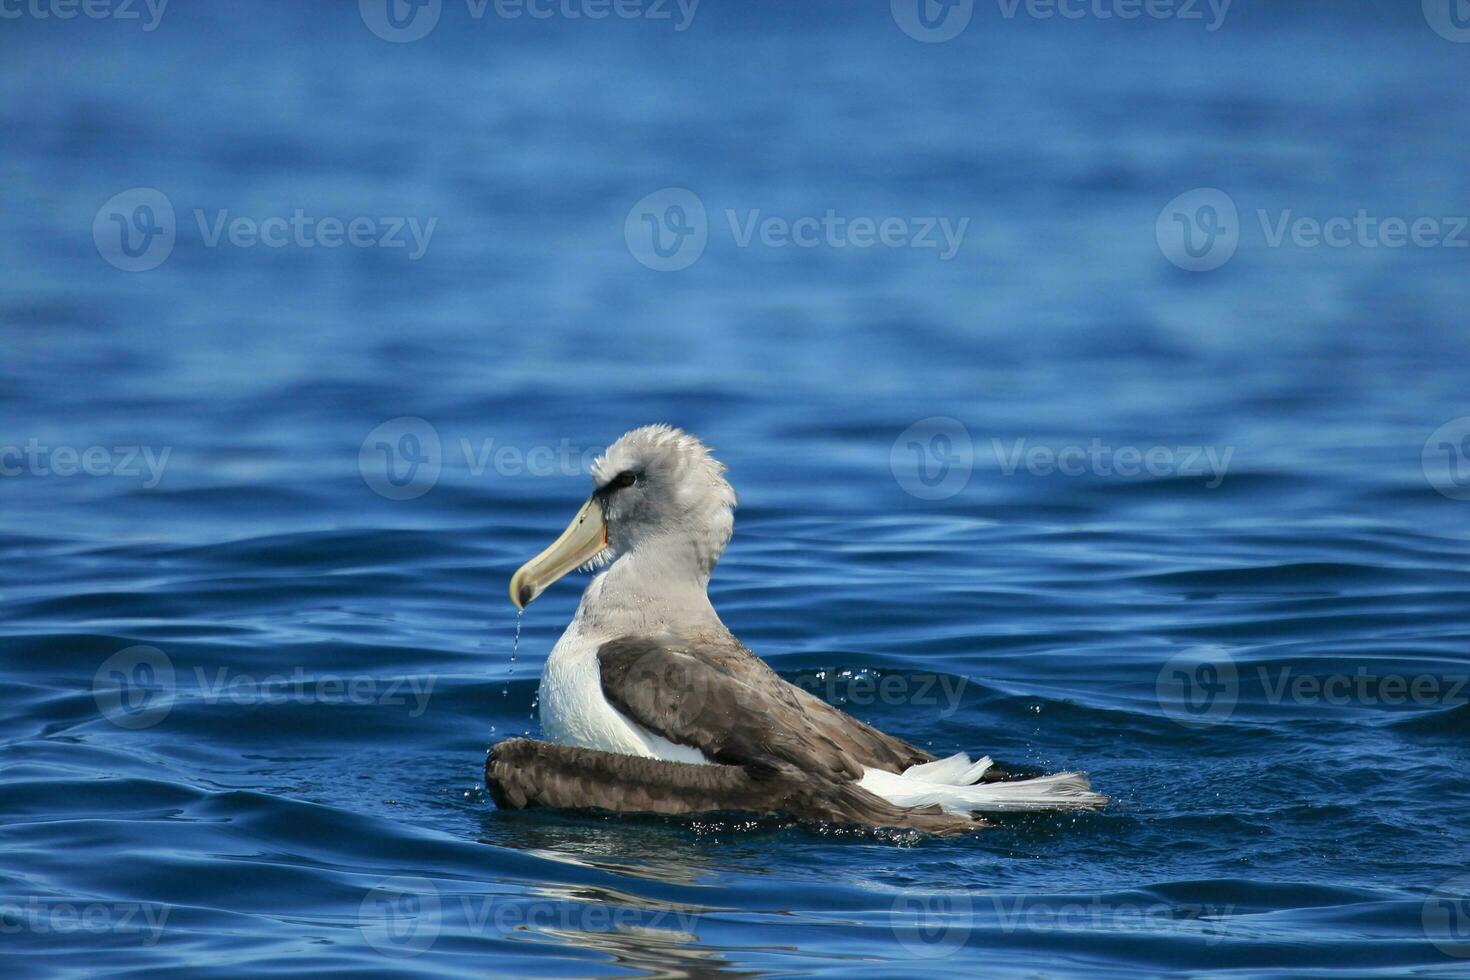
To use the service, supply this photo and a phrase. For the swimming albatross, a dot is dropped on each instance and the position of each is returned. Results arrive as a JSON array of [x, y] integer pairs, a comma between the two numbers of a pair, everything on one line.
[[653, 706]]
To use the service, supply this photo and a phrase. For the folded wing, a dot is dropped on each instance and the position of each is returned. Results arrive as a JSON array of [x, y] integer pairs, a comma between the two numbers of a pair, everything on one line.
[[713, 694]]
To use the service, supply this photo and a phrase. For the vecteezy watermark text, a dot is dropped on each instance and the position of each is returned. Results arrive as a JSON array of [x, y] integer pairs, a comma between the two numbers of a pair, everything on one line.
[[1020, 913], [1100, 459], [937, 925], [833, 230], [669, 229], [934, 458], [404, 916], [862, 688], [935, 21], [306, 231], [148, 12], [228, 687], [403, 458], [1211, 13], [137, 687], [1200, 230], [44, 917], [405, 21], [1200, 688], [35, 458], [137, 230]]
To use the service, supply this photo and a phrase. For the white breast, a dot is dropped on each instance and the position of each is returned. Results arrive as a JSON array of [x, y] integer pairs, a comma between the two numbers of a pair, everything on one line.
[[575, 712]]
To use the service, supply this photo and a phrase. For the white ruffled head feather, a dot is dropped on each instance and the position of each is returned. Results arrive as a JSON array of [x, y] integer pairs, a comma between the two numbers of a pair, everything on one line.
[[679, 495]]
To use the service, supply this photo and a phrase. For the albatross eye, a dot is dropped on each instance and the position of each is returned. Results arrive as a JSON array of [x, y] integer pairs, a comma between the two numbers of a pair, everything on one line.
[[624, 479]]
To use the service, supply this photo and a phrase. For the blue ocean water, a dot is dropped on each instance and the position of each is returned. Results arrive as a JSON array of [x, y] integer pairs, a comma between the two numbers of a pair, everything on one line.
[[1050, 497]]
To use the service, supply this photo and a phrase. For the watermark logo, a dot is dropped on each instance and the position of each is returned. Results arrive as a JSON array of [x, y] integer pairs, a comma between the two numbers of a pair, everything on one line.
[[1446, 459], [933, 458], [400, 21], [135, 230], [670, 681], [932, 926], [401, 916], [667, 230], [1198, 688], [1446, 917], [932, 21], [1199, 230], [134, 688], [401, 459], [1450, 19]]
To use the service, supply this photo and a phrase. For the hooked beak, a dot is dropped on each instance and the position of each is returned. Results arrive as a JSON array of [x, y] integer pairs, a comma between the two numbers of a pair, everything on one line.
[[578, 544]]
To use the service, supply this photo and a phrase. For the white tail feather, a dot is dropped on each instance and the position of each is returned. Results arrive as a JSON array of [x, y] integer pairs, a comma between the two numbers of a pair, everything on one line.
[[953, 783], [954, 771]]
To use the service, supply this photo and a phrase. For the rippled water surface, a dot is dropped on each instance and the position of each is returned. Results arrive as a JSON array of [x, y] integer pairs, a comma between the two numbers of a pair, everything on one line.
[[1256, 642]]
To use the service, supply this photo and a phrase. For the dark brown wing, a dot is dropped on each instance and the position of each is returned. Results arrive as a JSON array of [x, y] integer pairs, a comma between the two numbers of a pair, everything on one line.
[[522, 773], [715, 695]]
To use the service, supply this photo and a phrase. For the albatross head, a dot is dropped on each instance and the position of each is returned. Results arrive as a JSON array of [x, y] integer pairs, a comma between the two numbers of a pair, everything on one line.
[[660, 498]]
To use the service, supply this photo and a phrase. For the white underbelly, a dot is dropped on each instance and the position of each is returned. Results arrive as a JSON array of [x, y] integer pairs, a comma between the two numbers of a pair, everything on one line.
[[575, 712]]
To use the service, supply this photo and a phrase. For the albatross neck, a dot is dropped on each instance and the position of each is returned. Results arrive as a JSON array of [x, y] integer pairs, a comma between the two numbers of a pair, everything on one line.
[[649, 589]]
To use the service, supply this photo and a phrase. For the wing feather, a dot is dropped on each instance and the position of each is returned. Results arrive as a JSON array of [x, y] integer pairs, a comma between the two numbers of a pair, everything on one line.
[[713, 694]]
